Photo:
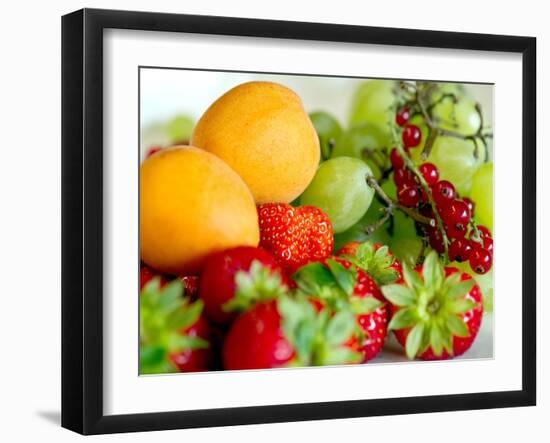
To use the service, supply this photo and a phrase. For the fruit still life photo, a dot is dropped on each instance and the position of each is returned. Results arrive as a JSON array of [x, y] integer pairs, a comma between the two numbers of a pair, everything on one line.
[[289, 221]]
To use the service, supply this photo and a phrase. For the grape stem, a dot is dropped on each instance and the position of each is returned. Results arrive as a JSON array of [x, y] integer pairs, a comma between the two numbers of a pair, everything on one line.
[[391, 205], [410, 165], [434, 130]]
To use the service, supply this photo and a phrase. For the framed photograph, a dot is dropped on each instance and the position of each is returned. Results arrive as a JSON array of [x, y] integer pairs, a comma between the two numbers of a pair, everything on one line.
[[269, 221]]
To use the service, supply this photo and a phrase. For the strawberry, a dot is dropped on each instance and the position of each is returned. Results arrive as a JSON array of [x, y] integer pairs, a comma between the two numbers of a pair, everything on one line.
[[234, 279], [436, 310], [375, 259], [344, 287], [295, 236], [174, 335], [191, 285], [146, 274], [152, 150], [288, 332]]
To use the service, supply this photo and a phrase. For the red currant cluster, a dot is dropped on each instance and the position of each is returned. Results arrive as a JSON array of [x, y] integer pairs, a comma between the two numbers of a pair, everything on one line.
[[467, 242]]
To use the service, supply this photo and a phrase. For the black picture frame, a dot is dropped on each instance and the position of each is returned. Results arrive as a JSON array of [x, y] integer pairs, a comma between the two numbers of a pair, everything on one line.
[[82, 219]]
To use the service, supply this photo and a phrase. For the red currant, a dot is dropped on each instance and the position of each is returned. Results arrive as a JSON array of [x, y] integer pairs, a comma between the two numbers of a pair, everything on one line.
[[480, 260], [404, 177], [436, 240], [456, 213], [460, 249], [455, 231], [429, 172], [443, 193], [411, 136], [396, 161], [484, 231], [470, 203], [402, 116], [488, 244], [408, 195]]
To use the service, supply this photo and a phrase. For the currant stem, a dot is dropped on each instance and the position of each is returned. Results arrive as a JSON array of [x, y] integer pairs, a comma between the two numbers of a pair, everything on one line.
[[391, 205]]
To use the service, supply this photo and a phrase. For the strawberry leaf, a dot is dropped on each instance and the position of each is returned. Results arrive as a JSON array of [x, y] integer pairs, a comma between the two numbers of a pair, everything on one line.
[[259, 283], [183, 318], [411, 277], [340, 356], [457, 326], [414, 340], [403, 318], [344, 277], [432, 271], [364, 305], [459, 290], [340, 328], [461, 305], [398, 295], [436, 339], [310, 278]]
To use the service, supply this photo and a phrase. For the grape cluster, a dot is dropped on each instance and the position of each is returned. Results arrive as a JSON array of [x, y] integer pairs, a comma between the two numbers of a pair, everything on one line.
[[467, 241]]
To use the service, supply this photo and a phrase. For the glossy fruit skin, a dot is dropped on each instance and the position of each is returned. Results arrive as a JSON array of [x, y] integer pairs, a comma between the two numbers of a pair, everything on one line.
[[396, 160], [256, 340], [436, 240], [340, 190], [196, 360], [443, 193], [403, 177], [218, 286], [402, 116], [460, 249], [472, 318], [374, 324], [429, 172], [295, 236], [411, 136], [456, 214], [481, 260], [179, 229], [471, 205], [408, 195], [261, 130], [482, 193]]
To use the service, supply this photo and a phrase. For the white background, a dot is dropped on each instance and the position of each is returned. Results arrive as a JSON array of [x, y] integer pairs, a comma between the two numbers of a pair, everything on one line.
[[126, 393], [30, 226]]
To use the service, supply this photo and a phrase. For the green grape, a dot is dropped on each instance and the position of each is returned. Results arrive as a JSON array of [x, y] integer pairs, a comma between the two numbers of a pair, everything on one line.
[[407, 249], [461, 117], [328, 130], [482, 194], [455, 160], [373, 102], [356, 141], [357, 231], [339, 188], [179, 129]]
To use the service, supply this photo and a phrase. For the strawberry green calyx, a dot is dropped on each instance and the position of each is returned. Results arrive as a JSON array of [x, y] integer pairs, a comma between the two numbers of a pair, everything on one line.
[[431, 307], [334, 285], [259, 283], [318, 338], [164, 315], [375, 262]]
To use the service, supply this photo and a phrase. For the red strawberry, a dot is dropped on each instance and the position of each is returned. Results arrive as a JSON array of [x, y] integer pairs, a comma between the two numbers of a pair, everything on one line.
[[375, 259], [295, 236], [146, 274], [194, 360], [287, 332], [342, 286], [174, 336], [234, 279], [437, 310], [191, 284]]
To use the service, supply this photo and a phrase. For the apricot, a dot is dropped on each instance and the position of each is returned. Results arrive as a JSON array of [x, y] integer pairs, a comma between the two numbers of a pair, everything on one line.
[[263, 132], [192, 204]]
